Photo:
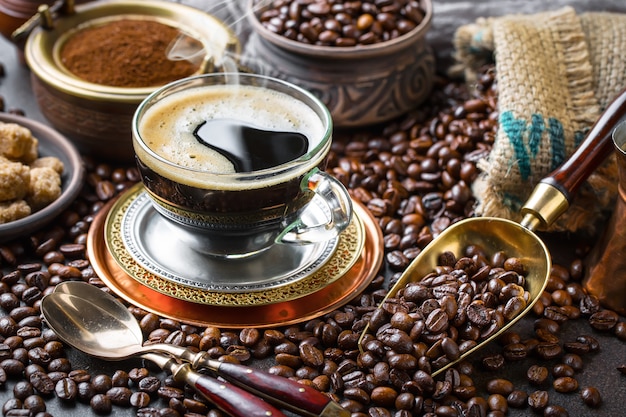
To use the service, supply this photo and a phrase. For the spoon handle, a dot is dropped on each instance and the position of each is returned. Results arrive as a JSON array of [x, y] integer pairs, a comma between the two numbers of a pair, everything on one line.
[[229, 398], [282, 391]]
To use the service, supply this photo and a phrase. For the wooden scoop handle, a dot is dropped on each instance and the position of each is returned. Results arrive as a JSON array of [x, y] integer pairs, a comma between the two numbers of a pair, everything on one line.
[[596, 147], [554, 193]]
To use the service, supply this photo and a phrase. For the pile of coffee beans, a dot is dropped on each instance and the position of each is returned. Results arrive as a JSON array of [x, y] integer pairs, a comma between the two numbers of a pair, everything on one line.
[[414, 175], [342, 24], [434, 319]]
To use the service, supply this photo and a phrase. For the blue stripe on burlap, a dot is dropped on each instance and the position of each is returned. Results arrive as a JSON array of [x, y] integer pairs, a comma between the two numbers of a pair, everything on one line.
[[557, 142], [579, 136], [534, 133], [514, 130], [517, 129]]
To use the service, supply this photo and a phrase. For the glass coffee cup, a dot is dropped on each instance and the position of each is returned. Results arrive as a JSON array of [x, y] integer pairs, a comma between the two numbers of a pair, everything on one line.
[[237, 161]]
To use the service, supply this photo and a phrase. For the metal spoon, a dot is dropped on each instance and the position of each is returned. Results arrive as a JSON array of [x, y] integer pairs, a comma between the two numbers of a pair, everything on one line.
[[550, 198], [96, 323], [71, 316]]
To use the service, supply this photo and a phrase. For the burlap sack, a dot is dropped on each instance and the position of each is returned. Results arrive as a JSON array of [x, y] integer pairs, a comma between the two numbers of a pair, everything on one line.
[[556, 71]]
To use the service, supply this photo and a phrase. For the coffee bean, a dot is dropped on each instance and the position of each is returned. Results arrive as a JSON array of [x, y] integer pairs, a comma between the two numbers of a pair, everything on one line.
[[35, 404], [119, 396], [500, 386], [517, 399], [101, 404], [120, 378], [12, 366], [86, 391], [548, 350], [42, 382], [101, 383], [167, 393], [591, 396], [66, 389], [553, 410], [79, 375], [493, 362], [538, 400], [149, 384], [565, 384], [140, 399], [561, 370], [604, 320], [574, 361], [23, 389]]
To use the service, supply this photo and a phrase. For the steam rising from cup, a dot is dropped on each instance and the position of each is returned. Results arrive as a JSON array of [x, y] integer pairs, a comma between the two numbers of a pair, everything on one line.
[[185, 47]]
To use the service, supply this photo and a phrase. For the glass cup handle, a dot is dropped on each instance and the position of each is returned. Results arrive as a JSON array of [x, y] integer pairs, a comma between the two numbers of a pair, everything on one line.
[[338, 202]]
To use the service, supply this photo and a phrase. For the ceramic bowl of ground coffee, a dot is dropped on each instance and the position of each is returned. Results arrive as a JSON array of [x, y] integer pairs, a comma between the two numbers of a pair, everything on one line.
[[368, 61], [92, 68]]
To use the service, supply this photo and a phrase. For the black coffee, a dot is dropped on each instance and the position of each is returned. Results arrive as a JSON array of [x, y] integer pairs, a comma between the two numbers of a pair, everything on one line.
[[249, 148]]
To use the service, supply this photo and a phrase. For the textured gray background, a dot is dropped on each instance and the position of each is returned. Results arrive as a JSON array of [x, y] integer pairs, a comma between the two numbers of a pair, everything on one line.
[[448, 15]]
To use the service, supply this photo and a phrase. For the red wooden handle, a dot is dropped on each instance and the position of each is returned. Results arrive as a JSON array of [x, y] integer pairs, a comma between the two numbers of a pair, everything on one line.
[[285, 392], [230, 398], [591, 152]]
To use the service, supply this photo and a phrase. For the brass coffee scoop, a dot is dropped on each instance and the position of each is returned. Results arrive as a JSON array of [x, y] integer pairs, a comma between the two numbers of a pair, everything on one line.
[[550, 198]]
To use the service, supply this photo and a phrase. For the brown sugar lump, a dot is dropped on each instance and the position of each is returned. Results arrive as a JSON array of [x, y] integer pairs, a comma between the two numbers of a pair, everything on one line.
[[13, 210], [32, 154], [49, 161], [45, 187], [17, 143], [14, 180]]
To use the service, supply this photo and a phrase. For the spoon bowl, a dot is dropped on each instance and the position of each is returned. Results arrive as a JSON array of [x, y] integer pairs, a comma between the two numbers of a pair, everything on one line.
[[94, 329]]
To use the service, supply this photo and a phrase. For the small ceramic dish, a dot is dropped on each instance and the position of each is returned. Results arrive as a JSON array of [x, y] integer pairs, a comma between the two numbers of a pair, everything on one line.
[[51, 143]]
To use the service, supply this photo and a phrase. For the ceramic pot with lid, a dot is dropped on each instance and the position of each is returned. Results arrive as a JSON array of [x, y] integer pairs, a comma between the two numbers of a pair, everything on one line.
[[97, 117]]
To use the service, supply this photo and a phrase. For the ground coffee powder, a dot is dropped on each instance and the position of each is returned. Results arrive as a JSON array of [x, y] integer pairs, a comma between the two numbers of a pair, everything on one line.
[[125, 53]]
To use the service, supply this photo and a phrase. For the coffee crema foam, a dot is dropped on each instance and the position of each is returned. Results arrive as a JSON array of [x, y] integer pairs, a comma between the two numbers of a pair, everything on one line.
[[167, 126]]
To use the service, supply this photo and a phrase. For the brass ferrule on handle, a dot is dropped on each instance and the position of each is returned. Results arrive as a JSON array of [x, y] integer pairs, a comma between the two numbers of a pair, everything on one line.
[[543, 207]]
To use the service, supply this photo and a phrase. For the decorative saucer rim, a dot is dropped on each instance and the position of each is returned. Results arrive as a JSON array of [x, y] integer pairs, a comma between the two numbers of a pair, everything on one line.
[[350, 245]]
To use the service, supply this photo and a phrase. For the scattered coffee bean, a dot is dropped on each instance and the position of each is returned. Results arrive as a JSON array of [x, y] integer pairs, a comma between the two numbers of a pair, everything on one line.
[[101, 404], [553, 410], [591, 396], [565, 384]]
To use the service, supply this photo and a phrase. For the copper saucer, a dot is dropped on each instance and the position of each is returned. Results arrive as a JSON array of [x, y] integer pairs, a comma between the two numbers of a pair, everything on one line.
[[330, 297]]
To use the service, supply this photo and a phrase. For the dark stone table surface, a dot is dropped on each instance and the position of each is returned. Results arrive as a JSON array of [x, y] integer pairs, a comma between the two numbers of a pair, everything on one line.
[[600, 368]]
